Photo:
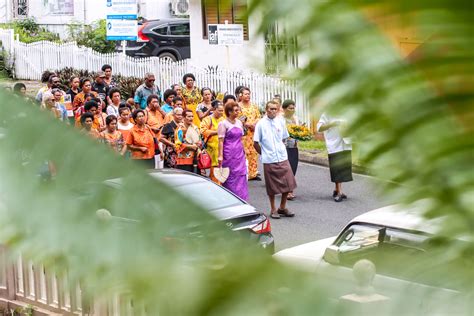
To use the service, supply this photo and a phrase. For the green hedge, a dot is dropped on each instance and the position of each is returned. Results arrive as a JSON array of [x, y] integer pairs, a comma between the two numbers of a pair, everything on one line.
[[30, 31], [93, 36]]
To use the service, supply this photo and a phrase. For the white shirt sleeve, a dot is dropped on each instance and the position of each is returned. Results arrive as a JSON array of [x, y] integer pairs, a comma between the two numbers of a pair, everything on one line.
[[323, 120], [256, 134], [285, 133], [110, 110]]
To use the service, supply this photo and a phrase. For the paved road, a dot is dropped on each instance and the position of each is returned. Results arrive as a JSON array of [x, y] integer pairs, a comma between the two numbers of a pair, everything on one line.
[[317, 215]]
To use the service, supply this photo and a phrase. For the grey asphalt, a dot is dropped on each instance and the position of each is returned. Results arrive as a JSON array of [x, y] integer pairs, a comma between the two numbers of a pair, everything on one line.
[[317, 215]]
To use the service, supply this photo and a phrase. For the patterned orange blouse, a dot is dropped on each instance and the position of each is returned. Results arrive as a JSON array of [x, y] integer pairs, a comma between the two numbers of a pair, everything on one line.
[[114, 140]]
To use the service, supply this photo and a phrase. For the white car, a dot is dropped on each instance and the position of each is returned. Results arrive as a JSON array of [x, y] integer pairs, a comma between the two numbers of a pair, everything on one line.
[[399, 243]]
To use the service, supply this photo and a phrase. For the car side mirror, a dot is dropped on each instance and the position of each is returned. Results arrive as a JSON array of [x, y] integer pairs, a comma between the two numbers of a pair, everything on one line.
[[331, 254]]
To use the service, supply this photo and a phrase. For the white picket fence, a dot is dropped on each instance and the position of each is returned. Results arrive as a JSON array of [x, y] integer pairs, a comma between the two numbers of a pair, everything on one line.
[[30, 60]]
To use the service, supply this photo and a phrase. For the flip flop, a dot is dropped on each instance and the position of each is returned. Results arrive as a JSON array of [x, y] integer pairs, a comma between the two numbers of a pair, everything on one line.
[[285, 212], [275, 215]]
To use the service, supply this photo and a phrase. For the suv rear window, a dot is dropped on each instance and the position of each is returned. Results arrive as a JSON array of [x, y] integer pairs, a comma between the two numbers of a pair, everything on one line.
[[179, 29], [163, 30]]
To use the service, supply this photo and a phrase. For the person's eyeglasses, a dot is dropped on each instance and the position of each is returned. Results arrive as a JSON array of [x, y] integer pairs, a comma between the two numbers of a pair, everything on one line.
[[151, 80]]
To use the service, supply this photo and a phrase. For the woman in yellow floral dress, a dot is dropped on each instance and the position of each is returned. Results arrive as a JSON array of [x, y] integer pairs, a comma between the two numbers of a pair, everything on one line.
[[192, 96], [208, 130], [250, 115]]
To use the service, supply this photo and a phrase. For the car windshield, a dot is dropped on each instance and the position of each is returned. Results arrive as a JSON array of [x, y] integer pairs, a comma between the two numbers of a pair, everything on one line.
[[388, 247], [209, 195]]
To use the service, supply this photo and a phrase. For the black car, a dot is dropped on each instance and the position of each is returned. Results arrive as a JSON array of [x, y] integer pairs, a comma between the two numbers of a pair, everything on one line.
[[237, 214], [165, 38]]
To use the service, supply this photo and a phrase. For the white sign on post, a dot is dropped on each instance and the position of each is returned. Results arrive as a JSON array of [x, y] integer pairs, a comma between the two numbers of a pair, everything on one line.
[[126, 9], [122, 20], [226, 34], [121, 30]]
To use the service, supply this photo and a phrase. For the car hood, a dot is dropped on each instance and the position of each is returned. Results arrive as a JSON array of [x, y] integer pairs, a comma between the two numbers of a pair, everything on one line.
[[234, 212], [306, 256]]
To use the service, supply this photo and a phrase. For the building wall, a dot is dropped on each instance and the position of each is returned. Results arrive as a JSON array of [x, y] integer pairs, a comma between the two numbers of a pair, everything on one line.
[[85, 11], [248, 56]]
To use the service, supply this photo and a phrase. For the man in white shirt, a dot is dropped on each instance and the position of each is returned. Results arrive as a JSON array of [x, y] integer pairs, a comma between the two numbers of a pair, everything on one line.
[[339, 153], [270, 132]]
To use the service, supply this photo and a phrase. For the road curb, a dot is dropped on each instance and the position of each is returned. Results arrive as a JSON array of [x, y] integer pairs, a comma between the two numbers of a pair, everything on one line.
[[315, 159], [312, 158]]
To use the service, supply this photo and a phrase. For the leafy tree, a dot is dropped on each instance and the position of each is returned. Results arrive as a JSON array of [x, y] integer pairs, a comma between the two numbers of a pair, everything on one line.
[[168, 255], [93, 36]]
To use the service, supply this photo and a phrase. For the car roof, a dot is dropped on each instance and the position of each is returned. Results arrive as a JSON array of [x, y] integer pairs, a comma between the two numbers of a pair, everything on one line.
[[175, 177], [164, 21], [401, 217]]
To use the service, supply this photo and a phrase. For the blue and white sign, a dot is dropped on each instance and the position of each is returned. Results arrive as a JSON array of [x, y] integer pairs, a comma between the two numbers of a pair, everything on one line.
[[122, 9], [122, 20], [122, 30]]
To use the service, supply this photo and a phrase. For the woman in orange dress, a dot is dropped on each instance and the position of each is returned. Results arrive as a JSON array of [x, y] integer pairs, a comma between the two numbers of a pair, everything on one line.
[[141, 141], [111, 136], [250, 115], [192, 96]]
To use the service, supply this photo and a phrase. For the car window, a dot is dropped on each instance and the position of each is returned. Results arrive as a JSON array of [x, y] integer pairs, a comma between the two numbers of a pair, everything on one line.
[[163, 30], [397, 253], [209, 195], [179, 29]]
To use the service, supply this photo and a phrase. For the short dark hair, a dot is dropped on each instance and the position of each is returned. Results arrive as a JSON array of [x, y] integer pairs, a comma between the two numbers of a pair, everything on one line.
[[18, 86], [187, 111], [86, 116], [123, 109], [105, 67], [228, 97], [89, 105], [168, 93], [287, 103], [244, 89], [188, 75], [237, 90], [270, 102], [53, 75], [112, 91], [151, 97], [205, 89], [45, 76], [109, 119], [230, 107], [83, 81], [215, 103], [53, 91], [135, 113], [175, 99]]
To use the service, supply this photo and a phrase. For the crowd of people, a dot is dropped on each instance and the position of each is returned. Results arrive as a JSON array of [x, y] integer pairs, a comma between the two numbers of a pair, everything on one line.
[[189, 128]]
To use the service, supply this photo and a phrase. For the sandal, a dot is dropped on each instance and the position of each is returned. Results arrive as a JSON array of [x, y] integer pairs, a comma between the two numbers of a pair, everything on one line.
[[291, 197], [275, 215], [285, 212]]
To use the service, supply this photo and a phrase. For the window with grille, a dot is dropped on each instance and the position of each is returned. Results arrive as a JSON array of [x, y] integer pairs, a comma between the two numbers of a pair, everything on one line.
[[280, 50], [20, 8], [217, 12]]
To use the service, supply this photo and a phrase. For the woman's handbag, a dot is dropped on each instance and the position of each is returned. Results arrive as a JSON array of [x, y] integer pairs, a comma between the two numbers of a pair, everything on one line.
[[204, 160]]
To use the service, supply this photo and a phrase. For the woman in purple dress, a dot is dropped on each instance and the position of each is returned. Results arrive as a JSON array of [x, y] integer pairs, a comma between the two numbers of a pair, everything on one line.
[[231, 151]]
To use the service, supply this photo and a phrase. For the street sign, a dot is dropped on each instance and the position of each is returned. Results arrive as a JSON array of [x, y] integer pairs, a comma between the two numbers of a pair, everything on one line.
[[226, 34], [122, 9], [121, 30], [122, 20]]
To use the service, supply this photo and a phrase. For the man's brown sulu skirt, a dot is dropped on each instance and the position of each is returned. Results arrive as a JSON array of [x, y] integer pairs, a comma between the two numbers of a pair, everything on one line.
[[279, 178]]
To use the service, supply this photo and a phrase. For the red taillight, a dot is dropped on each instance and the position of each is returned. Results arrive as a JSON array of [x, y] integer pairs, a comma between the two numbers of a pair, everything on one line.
[[263, 227], [142, 37]]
